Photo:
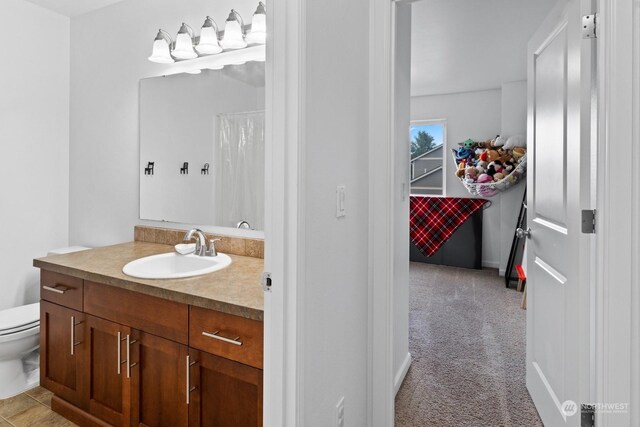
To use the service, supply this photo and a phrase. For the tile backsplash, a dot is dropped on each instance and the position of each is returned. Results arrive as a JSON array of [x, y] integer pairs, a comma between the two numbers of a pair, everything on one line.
[[229, 245]]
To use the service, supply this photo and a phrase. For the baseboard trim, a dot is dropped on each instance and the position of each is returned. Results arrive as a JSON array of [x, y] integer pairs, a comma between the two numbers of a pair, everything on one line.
[[402, 372], [491, 264]]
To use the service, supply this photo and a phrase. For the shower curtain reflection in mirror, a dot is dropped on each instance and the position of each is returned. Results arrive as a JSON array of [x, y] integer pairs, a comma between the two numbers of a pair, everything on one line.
[[239, 184]]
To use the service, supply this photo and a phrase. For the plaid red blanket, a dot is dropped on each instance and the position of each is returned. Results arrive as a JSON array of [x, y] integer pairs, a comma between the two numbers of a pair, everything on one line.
[[432, 220]]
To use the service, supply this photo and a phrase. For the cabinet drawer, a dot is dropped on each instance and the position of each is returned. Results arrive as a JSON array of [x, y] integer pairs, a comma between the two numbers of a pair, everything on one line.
[[61, 289], [232, 337], [168, 319]]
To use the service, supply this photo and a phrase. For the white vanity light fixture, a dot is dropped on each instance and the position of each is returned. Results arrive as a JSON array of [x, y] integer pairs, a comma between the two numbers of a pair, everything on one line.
[[184, 43], [208, 44], [162, 48], [233, 32], [258, 33]]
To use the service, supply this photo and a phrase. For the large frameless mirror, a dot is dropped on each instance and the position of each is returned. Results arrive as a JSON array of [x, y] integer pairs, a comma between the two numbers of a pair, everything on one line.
[[202, 147]]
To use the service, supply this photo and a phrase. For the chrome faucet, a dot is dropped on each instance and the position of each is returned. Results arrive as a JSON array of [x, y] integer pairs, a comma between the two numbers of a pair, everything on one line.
[[201, 241], [202, 248]]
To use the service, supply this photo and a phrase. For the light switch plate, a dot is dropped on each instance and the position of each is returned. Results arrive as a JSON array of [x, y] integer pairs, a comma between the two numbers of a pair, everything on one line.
[[341, 195]]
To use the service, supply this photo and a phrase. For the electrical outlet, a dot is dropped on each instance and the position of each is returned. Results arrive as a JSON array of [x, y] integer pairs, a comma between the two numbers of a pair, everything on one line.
[[340, 413], [341, 195]]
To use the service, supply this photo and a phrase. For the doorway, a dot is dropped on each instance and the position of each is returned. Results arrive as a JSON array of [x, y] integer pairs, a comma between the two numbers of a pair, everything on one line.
[[466, 72]]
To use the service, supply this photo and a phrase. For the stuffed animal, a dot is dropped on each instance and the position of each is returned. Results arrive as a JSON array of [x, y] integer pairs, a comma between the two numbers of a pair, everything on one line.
[[496, 166], [468, 144], [471, 173], [461, 168], [483, 178], [516, 141], [492, 155], [508, 166], [504, 159], [499, 141], [462, 153], [498, 176], [518, 152]]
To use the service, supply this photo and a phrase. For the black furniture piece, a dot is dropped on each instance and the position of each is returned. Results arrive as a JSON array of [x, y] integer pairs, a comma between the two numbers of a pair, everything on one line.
[[463, 249], [184, 170], [149, 169], [205, 169], [517, 245]]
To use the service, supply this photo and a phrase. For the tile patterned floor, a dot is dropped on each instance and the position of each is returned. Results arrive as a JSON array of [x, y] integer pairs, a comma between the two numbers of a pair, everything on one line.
[[32, 408]]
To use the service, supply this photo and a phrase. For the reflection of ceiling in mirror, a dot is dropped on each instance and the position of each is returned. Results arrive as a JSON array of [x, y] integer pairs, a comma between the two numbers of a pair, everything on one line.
[[251, 73]]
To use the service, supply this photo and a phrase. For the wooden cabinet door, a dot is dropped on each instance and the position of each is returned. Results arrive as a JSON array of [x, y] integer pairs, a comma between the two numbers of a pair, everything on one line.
[[62, 348], [224, 393], [158, 382], [105, 371]]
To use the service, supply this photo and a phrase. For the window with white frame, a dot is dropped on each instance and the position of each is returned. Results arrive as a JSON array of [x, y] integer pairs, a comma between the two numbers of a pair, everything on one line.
[[427, 153]]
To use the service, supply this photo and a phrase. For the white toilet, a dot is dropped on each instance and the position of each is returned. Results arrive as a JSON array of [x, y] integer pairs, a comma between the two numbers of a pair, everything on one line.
[[19, 336]]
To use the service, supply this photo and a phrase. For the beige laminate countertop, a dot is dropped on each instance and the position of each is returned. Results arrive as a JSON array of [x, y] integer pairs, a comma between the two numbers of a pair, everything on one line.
[[234, 290]]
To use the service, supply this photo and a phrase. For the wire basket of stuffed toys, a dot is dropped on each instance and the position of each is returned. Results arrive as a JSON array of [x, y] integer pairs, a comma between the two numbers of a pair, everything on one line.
[[491, 167]]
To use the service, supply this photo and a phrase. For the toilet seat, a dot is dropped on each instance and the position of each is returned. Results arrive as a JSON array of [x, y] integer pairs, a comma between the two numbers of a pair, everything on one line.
[[20, 328], [17, 319]]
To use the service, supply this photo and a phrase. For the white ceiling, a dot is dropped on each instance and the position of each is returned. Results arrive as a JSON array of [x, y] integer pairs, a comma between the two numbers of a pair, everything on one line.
[[73, 7], [464, 45]]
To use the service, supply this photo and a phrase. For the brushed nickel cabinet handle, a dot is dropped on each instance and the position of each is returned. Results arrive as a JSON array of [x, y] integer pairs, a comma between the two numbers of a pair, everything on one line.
[[129, 364], [119, 353], [214, 335], [73, 334], [188, 385], [189, 389], [57, 289]]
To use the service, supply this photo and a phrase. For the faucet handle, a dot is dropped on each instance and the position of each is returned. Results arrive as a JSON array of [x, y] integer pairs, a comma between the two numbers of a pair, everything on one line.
[[212, 246]]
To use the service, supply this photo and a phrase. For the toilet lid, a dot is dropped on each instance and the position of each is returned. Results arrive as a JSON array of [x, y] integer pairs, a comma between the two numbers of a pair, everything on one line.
[[19, 318]]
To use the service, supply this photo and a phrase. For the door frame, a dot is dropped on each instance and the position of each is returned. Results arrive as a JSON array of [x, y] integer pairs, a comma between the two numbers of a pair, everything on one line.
[[284, 179], [616, 303]]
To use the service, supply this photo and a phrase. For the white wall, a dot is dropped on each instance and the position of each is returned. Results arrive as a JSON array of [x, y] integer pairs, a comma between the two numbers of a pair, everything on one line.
[[475, 115], [34, 141], [334, 308], [109, 50]]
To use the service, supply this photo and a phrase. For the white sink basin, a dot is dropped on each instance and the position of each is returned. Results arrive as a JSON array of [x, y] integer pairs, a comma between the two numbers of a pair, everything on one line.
[[175, 266]]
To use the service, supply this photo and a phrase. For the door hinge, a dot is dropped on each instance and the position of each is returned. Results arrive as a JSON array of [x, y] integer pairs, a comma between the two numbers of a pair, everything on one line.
[[587, 415], [589, 26], [266, 281], [589, 221]]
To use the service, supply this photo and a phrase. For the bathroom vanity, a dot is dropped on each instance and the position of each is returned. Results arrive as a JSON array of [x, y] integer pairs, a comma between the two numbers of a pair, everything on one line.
[[117, 350]]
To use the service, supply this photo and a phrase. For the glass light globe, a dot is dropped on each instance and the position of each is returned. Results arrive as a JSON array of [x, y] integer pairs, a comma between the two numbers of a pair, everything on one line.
[[233, 33], [258, 34], [161, 52], [209, 44], [184, 44]]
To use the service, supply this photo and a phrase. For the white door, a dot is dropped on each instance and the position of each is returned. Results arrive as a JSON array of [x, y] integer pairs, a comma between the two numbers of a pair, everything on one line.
[[559, 186]]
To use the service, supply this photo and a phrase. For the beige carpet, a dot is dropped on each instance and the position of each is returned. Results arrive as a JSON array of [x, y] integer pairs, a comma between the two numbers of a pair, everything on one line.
[[467, 342]]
